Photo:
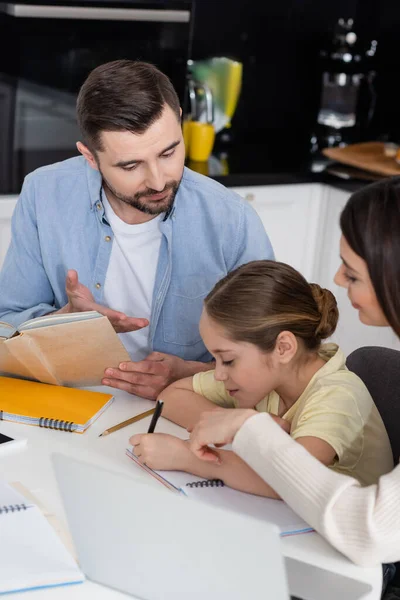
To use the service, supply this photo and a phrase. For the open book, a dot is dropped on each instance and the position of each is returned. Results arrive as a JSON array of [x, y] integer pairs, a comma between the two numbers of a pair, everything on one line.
[[31, 554], [72, 349], [216, 493], [67, 409]]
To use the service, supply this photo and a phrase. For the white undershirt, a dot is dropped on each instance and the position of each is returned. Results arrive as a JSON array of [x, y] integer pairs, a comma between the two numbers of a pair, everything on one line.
[[131, 274]]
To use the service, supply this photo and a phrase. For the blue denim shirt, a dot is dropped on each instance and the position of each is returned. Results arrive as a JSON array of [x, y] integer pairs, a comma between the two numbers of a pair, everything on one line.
[[59, 224]]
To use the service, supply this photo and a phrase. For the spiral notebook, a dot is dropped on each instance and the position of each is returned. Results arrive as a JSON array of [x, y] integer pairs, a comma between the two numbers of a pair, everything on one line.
[[51, 406], [31, 554], [215, 492]]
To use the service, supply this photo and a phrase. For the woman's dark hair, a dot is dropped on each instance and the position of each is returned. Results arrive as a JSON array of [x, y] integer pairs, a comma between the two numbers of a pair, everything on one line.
[[123, 95], [370, 222], [258, 300]]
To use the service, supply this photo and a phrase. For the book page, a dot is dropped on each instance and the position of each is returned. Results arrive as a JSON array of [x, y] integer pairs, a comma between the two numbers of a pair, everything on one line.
[[6, 330], [62, 532], [15, 362], [31, 555], [25, 359], [79, 351], [265, 509], [10, 496], [57, 319]]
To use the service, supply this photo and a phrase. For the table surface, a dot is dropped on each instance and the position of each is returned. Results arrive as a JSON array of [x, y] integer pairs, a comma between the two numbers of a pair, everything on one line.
[[32, 467]]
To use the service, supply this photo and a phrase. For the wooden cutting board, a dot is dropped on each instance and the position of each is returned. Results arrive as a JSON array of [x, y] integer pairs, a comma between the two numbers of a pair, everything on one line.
[[369, 156]]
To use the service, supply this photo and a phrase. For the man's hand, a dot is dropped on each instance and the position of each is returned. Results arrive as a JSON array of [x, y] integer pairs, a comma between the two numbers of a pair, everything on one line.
[[160, 451], [147, 378], [81, 299]]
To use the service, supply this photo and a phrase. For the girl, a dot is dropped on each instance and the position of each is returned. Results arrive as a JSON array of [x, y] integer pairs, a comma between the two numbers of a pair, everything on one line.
[[264, 324], [363, 523]]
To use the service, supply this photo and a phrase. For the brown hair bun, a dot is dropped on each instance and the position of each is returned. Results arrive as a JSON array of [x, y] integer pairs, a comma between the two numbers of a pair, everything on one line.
[[327, 308]]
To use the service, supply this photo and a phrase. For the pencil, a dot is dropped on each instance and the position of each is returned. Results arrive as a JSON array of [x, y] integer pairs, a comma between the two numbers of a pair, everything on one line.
[[157, 413], [128, 422]]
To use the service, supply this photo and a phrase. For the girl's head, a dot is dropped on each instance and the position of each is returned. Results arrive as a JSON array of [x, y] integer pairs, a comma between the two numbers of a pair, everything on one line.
[[260, 319], [370, 252]]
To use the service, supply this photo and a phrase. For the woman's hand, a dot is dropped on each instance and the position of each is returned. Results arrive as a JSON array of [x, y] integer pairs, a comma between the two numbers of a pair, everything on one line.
[[218, 428], [160, 451], [285, 425]]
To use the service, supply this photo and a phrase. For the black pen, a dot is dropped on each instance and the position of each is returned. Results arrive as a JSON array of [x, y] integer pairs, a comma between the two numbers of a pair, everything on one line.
[[156, 415]]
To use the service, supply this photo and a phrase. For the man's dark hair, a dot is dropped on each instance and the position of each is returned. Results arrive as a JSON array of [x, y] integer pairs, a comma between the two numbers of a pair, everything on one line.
[[123, 95]]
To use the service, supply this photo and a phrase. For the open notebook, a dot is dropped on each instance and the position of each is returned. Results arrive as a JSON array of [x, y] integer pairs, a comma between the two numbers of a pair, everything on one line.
[[72, 349], [216, 493], [31, 553], [51, 406]]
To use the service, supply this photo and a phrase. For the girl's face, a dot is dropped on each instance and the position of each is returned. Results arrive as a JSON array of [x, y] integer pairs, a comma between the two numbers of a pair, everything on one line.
[[247, 373], [353, 275]]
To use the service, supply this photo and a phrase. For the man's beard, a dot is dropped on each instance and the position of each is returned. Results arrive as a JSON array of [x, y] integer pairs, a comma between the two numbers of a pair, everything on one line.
[[138, 200]]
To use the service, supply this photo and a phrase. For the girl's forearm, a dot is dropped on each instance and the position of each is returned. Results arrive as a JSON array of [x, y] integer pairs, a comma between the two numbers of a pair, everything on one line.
[[233, 471], [184, 407]]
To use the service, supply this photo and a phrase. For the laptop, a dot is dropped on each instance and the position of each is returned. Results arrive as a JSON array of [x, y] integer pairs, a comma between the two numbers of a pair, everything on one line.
[[154, 544]]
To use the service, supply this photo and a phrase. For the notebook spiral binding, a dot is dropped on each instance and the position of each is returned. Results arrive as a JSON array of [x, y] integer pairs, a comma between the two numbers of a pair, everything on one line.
[[12, 508], [208, 483], [57, 424]]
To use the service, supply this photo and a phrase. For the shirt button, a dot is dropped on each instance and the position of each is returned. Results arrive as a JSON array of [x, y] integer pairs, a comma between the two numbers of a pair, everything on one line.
[[98, 286], [98, 205], [107, 238]]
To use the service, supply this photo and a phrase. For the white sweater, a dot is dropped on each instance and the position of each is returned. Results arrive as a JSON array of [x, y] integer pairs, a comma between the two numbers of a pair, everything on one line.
[[361, 522]]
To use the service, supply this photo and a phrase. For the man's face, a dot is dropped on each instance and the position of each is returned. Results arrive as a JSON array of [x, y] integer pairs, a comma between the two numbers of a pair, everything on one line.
[[143, 171]]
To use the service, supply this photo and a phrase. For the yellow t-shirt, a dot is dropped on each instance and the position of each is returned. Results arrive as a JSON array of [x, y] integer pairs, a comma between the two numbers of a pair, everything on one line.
[[335, 407]]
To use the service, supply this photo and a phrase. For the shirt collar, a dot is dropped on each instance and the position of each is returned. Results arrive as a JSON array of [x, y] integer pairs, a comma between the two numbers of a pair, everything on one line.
[[94, 184]]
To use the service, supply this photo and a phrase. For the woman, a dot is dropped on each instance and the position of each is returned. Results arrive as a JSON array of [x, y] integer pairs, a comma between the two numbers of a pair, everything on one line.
[[362, 522]]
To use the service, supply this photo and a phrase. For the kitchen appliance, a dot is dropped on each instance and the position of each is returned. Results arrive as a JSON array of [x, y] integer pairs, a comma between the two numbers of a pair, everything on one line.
[[213, 87], [47, 49], [198, 126], [348, 95], [223, 77]]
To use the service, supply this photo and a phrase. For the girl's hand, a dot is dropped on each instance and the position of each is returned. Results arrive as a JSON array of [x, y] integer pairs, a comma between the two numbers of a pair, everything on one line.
[[218, 428], [160, 451]]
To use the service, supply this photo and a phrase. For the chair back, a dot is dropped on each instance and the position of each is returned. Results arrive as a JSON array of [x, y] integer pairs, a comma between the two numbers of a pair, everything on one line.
[[379, 368]]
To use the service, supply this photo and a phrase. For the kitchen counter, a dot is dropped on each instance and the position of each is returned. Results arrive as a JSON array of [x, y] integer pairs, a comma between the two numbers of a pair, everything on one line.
[[244, 165], [249, 164]]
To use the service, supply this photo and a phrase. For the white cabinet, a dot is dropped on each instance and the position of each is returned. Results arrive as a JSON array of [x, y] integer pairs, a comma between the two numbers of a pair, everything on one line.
[[291, 217], [7, 205], [302, 222]]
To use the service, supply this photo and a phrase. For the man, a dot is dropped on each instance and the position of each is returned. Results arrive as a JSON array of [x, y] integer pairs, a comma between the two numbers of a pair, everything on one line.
[[126, 230]]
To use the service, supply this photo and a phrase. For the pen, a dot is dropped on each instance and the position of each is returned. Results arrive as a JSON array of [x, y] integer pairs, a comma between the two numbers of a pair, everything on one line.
[[157, 413], [128, 422]]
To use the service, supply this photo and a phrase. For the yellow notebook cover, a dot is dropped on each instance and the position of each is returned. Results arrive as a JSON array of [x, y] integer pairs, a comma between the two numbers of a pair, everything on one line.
[[55, 407]]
